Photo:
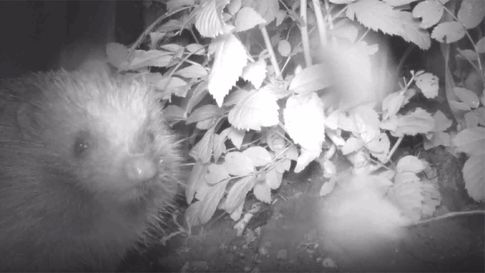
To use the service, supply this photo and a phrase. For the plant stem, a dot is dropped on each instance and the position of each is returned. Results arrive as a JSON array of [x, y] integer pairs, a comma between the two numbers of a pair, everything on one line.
[[304, 33], [269, 47]]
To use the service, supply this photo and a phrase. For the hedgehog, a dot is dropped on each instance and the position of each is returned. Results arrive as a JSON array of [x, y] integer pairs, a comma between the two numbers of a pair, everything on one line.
[[87, 167]]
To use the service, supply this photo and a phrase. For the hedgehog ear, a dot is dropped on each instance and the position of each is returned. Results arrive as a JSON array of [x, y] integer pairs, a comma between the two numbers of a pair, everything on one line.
[[27, 121]]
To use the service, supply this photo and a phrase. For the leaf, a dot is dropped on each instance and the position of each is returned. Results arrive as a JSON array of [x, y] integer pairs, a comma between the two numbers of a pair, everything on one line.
[[471, 141], [174, 113], [342, 1], [255, 73], [397, 3], [310, 79], [437, 139], [329, 169], [428, 83], [258, 155], [378, 15], [366, 122], [176, 4], [238, 164], [481, 45], [230, 59], [207, 111], [208, 19], [466, 96], [471, 13], [448, 32], [299, 110], [238, 192], [305, 158], [441, 122], [391, 104], [273, 178], [417, 122], [193, 71], [201, 211], [234, 6], [352, 144], [194, 181], [284, 48], [215, 173], [247, 18], [255, 110], [379, 147], [219, 147], [327, 187], [430, 11], [198, 94], [262, 192], [410, 163], [196, 49], [267, 9], [202, 151], [474, 176], [468, 54], [236, 136]]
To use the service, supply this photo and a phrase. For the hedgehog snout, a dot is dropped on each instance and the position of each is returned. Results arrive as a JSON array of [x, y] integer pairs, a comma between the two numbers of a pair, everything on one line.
[[140, 168]]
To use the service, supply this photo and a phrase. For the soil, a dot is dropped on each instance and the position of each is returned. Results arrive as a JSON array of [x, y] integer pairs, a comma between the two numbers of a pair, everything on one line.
[[283, 238]]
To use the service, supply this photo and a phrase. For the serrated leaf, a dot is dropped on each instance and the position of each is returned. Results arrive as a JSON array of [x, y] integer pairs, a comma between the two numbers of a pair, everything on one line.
[[310, 79], [417, 122], [255, 110], [410, 163], [230, 59], [471, 141], [448, 32], [194, 181], [205, 112], [215, 173], [255, 73], [306, 156], [428, 83], [247, 18], [441, 122], [273, 178], [481, 46], [238, 192], [299, 110], [474, 176], [430, 11], [471, 13], [267, 9], [201, 211], [391, 104], [208, 19], [284, 48], [258, 155], [194, 71], [378, 15], [238, 164], [466, 96], [262, 192]]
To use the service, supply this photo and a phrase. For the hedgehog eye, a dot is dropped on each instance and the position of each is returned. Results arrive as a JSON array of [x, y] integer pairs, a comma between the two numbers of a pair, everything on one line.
[[81, 144]]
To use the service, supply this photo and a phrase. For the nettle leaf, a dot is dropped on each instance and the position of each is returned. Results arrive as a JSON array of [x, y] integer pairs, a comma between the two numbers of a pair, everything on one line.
[[273, 178], [430, 11], [410, 163], [481, 45], [238, 164], [392, 103], [304, 121], [448, 32], [237, 194], [474, 176], [417, 122], [284, 48], [366, 121], [258, 155], [194, 71], [257, 109], [228, 65], [205, 112], [215, 173], [201, 211], [268, 9], [195, 181], [471, 141], [247, 18], [262, 192], [312, 78], [378, 15], [441, 122], [471, 13], [468, 97], [255, 73], [208, 19], [428, 83]]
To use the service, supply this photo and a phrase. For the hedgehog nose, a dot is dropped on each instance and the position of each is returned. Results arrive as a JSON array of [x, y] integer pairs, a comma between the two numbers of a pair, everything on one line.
[[140, 168]]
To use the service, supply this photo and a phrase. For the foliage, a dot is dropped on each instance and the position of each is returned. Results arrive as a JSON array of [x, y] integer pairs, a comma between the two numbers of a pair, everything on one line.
[[254, 111]]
